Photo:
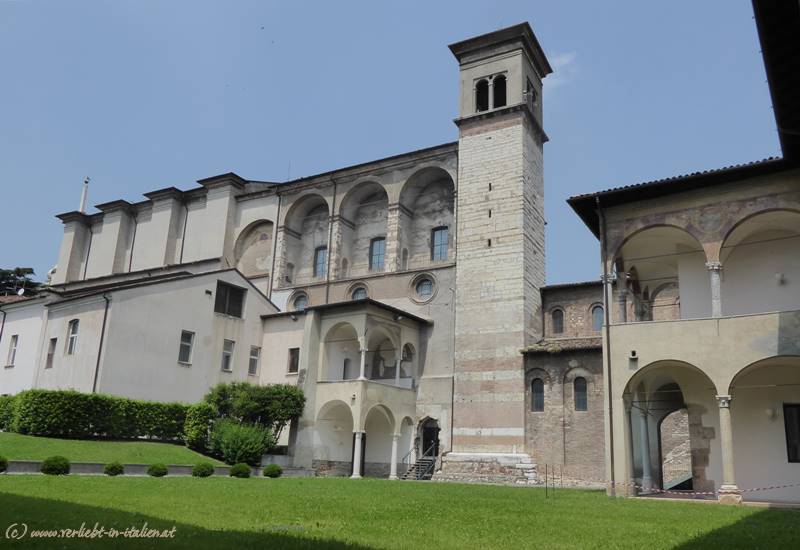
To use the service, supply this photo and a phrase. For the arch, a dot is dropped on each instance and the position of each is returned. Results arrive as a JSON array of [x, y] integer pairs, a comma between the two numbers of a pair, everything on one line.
[[363, 216], [649, 377], [790, 361], [299, 300], [379, 429], [333, 437], [382, 354], [405, 444], [253, 249], [727, 238], [482, 95], [408, 361], [628, 237], [557, 320], [499, 90], [342, 352], [428, 436], [597, 315], [305, 230], [427, 203]]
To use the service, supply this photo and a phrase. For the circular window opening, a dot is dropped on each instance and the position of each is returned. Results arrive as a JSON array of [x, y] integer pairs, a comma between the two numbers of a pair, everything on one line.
[[424, 289], [360, 293], [301, 302]]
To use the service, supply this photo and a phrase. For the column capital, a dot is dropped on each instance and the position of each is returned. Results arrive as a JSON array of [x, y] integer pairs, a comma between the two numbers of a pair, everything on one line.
[[724, 401], [395, 437], [714, 266], [607, 279]]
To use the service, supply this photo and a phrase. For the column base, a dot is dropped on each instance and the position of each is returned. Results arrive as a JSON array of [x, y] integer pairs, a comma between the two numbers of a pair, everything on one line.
[[355, 476], [729, 494], [393, 477]]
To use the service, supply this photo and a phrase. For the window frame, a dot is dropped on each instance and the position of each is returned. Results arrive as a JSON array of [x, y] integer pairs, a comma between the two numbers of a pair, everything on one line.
[[482, 81], [298, 296], [73, 327], [293, 359], [792, 446], [418, 283], [223, 299], [594, 308], [581, 405], [227, 354], [372, 256], [534, 407], [441, 246], [13, 345], [257, 357], [320, 268], [359, 289], [52, 346], [553, 325], [190, 344], [495, 99]]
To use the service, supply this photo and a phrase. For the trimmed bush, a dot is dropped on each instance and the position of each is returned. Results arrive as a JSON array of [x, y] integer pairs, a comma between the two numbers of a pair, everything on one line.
[[55, 466], [235, 442], [157, 470], [114, 469], [7, 403], [272, 470], [240, 470], [203, 469], [3, 464], [272, 406], [199, 418]]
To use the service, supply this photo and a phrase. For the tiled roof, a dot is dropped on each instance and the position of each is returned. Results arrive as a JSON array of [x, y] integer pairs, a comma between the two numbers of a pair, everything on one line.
[[557, 345]]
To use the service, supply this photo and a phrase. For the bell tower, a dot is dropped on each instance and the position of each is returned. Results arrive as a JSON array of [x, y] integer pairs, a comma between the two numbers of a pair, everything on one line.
[[500, 246]]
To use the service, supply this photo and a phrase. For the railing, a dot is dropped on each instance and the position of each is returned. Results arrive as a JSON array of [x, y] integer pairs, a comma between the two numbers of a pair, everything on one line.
[[427, 465]]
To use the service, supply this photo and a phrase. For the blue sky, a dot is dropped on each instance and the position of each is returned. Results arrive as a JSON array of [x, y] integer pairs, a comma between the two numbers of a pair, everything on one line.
[[143, 95]]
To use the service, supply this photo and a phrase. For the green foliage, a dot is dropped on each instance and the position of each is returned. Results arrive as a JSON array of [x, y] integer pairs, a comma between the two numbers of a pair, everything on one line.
[[272, 470], [55, 466], [272, 406], [11, 280], [203, 469], [240, 470], [196, 429], [77, 415], [114, 469], [3, 464], [235, 442], [7, 403], [157, 470]]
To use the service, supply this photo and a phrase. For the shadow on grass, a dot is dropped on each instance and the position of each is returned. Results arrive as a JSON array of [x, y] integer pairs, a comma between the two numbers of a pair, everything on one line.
[[767, 528], [47, 514]]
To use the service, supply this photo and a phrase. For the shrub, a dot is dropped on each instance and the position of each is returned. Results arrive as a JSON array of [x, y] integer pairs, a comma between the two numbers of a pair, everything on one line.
[[272, 406], [272, 470], [114, 469], [55, 466], [203, 469], [199, 418], [157, 470], [3, 464], [7, 403], [236, 442], [240, 470]]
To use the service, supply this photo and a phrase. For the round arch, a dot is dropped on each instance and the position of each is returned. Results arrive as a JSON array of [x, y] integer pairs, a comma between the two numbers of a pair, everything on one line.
[[426, 218], [379, 429], [361, 237], [305, 237], [253, 249], [342, 352], [333, 436]]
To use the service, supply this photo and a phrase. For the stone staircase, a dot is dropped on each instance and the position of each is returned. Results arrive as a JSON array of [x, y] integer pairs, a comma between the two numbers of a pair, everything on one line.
[[422, 469]]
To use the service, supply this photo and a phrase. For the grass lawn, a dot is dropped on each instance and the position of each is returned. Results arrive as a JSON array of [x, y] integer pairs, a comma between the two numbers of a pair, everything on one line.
[[26, 447], [344, 513]]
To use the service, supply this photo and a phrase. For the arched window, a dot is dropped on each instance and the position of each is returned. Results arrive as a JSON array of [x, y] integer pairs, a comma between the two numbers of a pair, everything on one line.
[[320, 261], [579, 387], [537, 395], [300, 302], [558, 321], [424, 289], [597, 318], [377, 250], [499, 85], [360, 293], [482, 95]]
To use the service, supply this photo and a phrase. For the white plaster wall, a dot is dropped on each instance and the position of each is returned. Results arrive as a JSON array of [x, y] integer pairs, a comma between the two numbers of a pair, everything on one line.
[[280, 334], [379, 438], [694, 286], [333, 434], [26, 322], [197, 225]]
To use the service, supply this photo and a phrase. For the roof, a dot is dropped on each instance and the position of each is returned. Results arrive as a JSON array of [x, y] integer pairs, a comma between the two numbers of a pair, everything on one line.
[[13, 298], [572, 285], [349, 303], [521, 32], [559, 345]]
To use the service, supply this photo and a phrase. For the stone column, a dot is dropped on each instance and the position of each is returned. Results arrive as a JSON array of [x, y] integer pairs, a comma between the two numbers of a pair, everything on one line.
[[728, 492], [644, 442], [357, 456], [397, 372], [715, 271], [491, 93], [393, 463], [363, 369]]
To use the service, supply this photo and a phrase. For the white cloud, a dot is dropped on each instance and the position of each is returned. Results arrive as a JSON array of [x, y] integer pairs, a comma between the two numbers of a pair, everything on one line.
[[565, 69]]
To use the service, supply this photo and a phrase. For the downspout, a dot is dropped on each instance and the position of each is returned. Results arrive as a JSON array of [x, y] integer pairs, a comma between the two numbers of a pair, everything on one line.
[[607, 314], [88, 252], [133, 241], [274, 245], [330, 241], [183, 236], [2, 324], [100, 347]]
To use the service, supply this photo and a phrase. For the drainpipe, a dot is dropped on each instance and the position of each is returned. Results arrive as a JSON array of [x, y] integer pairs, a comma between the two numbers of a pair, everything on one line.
[[100, 347], [606, 310], [2, 323], [330, 242], [183, 236], [133, 241], [274, 245]]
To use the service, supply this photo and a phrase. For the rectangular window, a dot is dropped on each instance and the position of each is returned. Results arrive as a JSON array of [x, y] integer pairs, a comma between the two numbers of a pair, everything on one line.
[[227, 355], [377, 250], [229, 300], [294, 360], [255, 358], [791, 420], [12, 350], [320, 261], [185, 347], [439, 244], [72, 336], [51, 352]]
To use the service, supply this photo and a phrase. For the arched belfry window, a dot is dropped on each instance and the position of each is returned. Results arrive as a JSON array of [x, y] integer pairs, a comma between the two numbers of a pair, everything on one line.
[[597, 318], [499, 85], [557, 317], [579, 387], [482, 95], [537, 395]]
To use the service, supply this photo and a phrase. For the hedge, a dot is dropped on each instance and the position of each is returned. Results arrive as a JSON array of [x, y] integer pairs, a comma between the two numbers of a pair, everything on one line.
[[7, 403], [60, 413], [55, 466]]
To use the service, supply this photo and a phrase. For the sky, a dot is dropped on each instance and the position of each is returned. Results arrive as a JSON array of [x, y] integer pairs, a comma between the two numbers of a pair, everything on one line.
[[142, 95]]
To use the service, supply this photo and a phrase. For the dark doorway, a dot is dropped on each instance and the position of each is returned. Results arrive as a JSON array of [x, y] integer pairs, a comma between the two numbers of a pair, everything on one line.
[[430, 438]]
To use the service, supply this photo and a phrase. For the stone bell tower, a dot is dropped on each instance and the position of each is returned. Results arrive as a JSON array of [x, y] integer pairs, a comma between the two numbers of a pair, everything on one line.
[[500, 247]]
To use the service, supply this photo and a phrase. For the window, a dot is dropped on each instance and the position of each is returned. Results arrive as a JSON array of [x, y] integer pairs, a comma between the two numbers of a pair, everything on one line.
[[499, 85], [558, 321], [72, 336], [227, 355], [579, 387], [230, 299], [482, 96], [185, 347], [537, 395], [12, 350], [51, 352], [320, 261], [300, 302], [255, 359], [597, 318], [360, 293], [377, 249], [439, 243], [424, 289], [791, 419], [294, 360]]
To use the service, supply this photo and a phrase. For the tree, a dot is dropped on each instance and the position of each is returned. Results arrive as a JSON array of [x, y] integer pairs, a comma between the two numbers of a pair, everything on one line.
[[272, 406], [13, 280]]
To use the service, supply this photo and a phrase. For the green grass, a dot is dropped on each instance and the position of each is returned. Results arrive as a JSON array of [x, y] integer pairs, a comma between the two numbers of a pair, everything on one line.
[[344, 513], [25, 447]]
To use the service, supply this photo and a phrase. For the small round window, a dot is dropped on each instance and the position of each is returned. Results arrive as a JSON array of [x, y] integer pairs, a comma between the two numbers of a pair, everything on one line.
[[360, 293], [424, 289], [301, 302]]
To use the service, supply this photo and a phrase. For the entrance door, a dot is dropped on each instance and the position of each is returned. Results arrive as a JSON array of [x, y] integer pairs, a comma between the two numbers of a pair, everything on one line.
[[430, 438]]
